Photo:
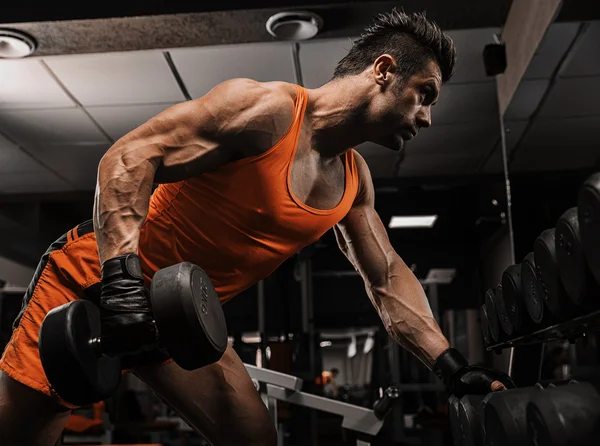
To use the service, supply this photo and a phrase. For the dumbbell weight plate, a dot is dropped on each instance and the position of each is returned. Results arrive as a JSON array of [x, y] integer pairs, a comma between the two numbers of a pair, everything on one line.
[[485, 325], [572, 265], [588, 205], [470, 419], [555, 296], [453, 404], [492, 313], [513, 296], [532, 290], [188, 315], [565, 416], [506, 325], [504, 415], [75, 370]]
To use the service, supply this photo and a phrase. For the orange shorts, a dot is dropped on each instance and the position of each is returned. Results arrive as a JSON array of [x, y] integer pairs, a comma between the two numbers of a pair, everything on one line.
[[68, 270]]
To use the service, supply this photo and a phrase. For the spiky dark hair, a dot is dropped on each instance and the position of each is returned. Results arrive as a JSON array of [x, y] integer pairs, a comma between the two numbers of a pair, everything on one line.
[[412, 39]]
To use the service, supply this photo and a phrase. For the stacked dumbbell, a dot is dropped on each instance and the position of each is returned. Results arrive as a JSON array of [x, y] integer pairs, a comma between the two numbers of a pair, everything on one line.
[[565, 413], [557, 281]]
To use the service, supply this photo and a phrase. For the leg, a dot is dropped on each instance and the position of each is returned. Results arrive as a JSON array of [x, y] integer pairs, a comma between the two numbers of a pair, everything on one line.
[[219, 401], [28, 417]]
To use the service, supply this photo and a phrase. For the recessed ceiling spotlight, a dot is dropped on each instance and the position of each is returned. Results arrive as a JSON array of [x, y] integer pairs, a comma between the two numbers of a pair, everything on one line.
[[15, 44], [294, 25]]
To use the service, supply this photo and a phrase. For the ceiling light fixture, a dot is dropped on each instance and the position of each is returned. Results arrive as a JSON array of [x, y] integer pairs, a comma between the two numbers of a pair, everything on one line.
[[416, 221], [294, 25], [15, 44]]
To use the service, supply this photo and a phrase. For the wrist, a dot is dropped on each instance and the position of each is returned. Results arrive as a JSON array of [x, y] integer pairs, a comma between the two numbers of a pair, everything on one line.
[[126, 266], [448, 363]]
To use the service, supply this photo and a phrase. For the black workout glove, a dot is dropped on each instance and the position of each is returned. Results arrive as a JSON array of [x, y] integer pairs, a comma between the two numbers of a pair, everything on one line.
[[463, 379], [126, 322]]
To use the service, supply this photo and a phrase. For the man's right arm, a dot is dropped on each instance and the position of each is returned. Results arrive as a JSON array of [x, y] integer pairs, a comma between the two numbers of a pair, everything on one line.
[[236, 119]]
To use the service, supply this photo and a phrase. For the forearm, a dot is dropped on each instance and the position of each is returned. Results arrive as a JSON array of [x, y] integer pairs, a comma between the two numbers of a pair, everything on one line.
[[123, 190], [404, 309]]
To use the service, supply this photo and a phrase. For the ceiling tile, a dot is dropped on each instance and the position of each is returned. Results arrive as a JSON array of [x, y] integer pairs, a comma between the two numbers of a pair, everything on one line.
[[456, 139], [14, 160], [469, 47], [538, 159], [120, 120], [31, 182], [573, 97], [139, 77], [563, 133], [466, 103], [514, 131], [319, 58], [526, 99], [77, 163], [27, 84], [50, 126], [203, 68], [552, 48], [586, 59]]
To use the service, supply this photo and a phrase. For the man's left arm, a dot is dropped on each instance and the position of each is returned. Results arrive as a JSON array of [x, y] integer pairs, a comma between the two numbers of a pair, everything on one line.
[[397, 294]]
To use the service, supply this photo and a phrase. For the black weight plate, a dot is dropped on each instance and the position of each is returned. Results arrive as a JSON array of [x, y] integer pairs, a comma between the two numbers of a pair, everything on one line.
[[555, 296], [588, 205], [76, 372], [453, 403], [532, 289], [565, 416], [485, 325], [493, 323], [506, 325], [513, 295], [505, 416], [188, 315], [572, 265], [471, 421]]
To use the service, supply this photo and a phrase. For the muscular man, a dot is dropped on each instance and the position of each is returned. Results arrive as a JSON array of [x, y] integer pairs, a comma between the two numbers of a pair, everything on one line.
[[249, 174]]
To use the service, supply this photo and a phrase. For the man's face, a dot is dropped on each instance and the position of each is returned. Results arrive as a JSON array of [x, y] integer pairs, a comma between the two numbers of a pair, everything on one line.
[[403, 106]]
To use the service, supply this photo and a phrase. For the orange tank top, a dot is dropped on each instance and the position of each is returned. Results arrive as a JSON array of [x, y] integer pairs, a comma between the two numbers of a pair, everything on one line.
[[242, 220]]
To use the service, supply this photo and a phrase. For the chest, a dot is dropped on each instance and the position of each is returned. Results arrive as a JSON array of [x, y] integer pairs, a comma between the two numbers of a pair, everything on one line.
[[316, 182]]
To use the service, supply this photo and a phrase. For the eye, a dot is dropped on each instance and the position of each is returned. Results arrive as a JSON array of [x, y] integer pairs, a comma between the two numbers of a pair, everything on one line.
[[426, 96]]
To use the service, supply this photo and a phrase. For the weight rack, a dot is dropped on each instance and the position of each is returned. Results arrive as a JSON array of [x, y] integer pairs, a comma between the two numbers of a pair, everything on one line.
[[526, 358]]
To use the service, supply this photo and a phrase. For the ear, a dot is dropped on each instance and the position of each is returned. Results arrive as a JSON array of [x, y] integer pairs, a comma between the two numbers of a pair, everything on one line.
[[383, 67]]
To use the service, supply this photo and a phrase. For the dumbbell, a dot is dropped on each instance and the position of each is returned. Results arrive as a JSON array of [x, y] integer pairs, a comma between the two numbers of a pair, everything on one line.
[[574, 271], [188, 322], [504, 415], [588, 207], [496, 333], [533, 292], [565, 416], [485, 325], [512, 292], [470, 420], [555, 295]]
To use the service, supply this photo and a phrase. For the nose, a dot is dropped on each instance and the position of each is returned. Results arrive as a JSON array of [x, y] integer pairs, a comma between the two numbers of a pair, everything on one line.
[[423, 117]]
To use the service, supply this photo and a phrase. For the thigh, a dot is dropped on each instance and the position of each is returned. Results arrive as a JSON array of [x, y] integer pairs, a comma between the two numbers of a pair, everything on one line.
[[219, 401], [27, 417]]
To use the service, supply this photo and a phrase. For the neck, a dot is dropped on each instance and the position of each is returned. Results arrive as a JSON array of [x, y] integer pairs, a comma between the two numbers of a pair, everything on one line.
[[336, 114]]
